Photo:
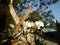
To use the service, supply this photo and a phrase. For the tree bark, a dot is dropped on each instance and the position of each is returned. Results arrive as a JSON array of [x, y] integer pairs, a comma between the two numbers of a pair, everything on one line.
[[4, 12], [23, 18]]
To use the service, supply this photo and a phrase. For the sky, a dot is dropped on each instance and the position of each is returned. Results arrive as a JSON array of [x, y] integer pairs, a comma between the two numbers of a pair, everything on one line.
[[55, 10]]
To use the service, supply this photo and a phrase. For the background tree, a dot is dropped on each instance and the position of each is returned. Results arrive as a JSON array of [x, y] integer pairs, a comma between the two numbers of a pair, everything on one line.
[[53, 25], [58, 29], [34, 16], [47, 17]]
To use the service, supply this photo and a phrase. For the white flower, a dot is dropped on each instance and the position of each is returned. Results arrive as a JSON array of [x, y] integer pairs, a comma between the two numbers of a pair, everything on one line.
[[41, 24], [32, 23], [36, 23], [29, 24]]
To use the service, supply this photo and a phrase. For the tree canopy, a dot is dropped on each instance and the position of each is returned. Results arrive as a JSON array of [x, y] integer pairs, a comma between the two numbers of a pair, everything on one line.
[[34, 16]]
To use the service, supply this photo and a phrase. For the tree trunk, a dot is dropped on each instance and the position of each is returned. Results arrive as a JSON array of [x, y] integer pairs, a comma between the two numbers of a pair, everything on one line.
[[23, 18], [4, 12]]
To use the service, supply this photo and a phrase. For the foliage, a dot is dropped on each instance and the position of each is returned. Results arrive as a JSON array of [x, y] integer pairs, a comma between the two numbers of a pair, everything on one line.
[[34, 16], [58, 25], [40, 42], [9, 20], [53, 25], [20, 16], [47, 17]]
